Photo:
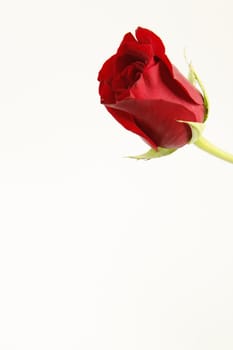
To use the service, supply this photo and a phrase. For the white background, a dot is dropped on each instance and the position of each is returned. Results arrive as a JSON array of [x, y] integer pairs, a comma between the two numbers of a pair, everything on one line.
[[98, 251]]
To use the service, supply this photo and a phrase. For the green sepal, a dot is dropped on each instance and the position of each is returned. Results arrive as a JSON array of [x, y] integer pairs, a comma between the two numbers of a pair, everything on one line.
[[154, 153], [194, 78], [197, 129]]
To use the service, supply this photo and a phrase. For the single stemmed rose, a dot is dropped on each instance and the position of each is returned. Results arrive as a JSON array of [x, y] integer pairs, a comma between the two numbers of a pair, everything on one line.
[[147, 94]]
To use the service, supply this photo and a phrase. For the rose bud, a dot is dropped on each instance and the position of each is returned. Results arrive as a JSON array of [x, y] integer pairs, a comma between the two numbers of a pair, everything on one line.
[[147, 94]]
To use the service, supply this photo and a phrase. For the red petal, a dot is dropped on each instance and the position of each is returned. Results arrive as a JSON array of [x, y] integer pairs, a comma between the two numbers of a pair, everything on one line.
[[132, 52], [146, 36], [127, 121], [128, 38], [192, 92], [106, 93], [107, 69], [157, 83], [157, 119]]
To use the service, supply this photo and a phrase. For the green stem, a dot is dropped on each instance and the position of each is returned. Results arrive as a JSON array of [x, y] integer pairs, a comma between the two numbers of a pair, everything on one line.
[[205, 145]]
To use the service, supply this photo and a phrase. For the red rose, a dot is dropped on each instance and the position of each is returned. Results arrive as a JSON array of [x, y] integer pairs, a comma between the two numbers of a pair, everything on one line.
[[147, 94]]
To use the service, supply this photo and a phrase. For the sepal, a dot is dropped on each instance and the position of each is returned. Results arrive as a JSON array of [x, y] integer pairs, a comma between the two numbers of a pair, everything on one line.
[[194, 78], [152, 153]]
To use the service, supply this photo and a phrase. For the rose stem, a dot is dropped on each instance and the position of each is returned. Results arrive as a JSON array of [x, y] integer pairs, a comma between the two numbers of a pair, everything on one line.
[[205, 145]]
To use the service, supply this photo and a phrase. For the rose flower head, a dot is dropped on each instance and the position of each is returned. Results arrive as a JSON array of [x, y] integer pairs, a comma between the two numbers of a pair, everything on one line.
[[147, 94]]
